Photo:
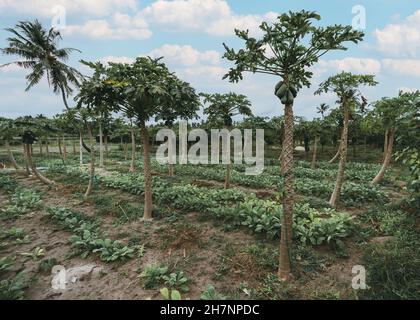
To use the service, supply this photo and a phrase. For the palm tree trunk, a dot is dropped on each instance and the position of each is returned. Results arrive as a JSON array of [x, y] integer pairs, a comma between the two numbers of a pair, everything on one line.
[[313, 164], [10, 153], [92, 162], [388, 156], [343, 159], [35, 170], [148, 201], [41, 152], [47, 147], [133, 151], [284, 271], [101, 150]]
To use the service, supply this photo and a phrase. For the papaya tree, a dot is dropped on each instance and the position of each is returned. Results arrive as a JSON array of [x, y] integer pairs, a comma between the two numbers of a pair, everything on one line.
[[28, 127], [346, 86], [8, 130], [315, 127], [220, 110], [94, 99], [149, 91], [388, 110], [287, 50], [408, 126]]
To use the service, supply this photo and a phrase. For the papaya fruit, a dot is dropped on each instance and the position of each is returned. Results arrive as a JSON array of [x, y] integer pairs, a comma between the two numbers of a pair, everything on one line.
[[282, 91], [293, 90]]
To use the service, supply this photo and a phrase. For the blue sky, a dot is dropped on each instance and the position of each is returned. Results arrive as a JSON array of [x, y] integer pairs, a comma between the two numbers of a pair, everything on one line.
[[190, 33]]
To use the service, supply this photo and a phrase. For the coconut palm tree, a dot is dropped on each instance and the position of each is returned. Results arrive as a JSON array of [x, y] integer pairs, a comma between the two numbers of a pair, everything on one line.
[[39, 52]]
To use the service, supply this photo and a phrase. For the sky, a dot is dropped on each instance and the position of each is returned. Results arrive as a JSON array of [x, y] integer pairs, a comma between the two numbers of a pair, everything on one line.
[[189, 34]]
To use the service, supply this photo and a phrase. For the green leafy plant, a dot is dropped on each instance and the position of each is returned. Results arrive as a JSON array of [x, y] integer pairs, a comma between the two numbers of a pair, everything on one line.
[[177, 280], [210, 293], [170, 294], [35, 254], [152, 276]]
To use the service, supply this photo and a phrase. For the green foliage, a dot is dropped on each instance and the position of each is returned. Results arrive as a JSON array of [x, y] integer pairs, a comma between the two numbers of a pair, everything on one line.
[[288, 48], [222, 107], [210, 293], [35, 254], [153, 275], [393, 269], [5, 264], [170, 294], [21, 202], [176, 280], [47, 264], [87, 237], [14, 288]]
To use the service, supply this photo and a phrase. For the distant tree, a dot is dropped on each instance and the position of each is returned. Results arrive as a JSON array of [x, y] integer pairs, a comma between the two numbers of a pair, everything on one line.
[[9, 130], [220, 109], [389, 110], [346, 86]]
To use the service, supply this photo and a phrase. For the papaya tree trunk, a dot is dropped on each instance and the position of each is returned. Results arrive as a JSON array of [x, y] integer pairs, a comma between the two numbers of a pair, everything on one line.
[[133, 151], [125, 151], [171, 170], [284, 271], [60, 150], [41, 151], [385, 145], [25, 157], [10, 153], [337, 155], [228, 174], [92, 162], [388, 156], [34, 169], [106, 146], [74, 147], [148, 204], [80, 148], [101, 146], [64, 149], [313, 164], [47, 147], [343, 159], [228, 166]]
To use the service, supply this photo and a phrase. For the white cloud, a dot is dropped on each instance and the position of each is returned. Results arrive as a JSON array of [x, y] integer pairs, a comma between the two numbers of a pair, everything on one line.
[[214, 17], [116, 59], [400, 39], [357, 65], [80, 7], [185, 55], [407, 67], [121, 27]]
